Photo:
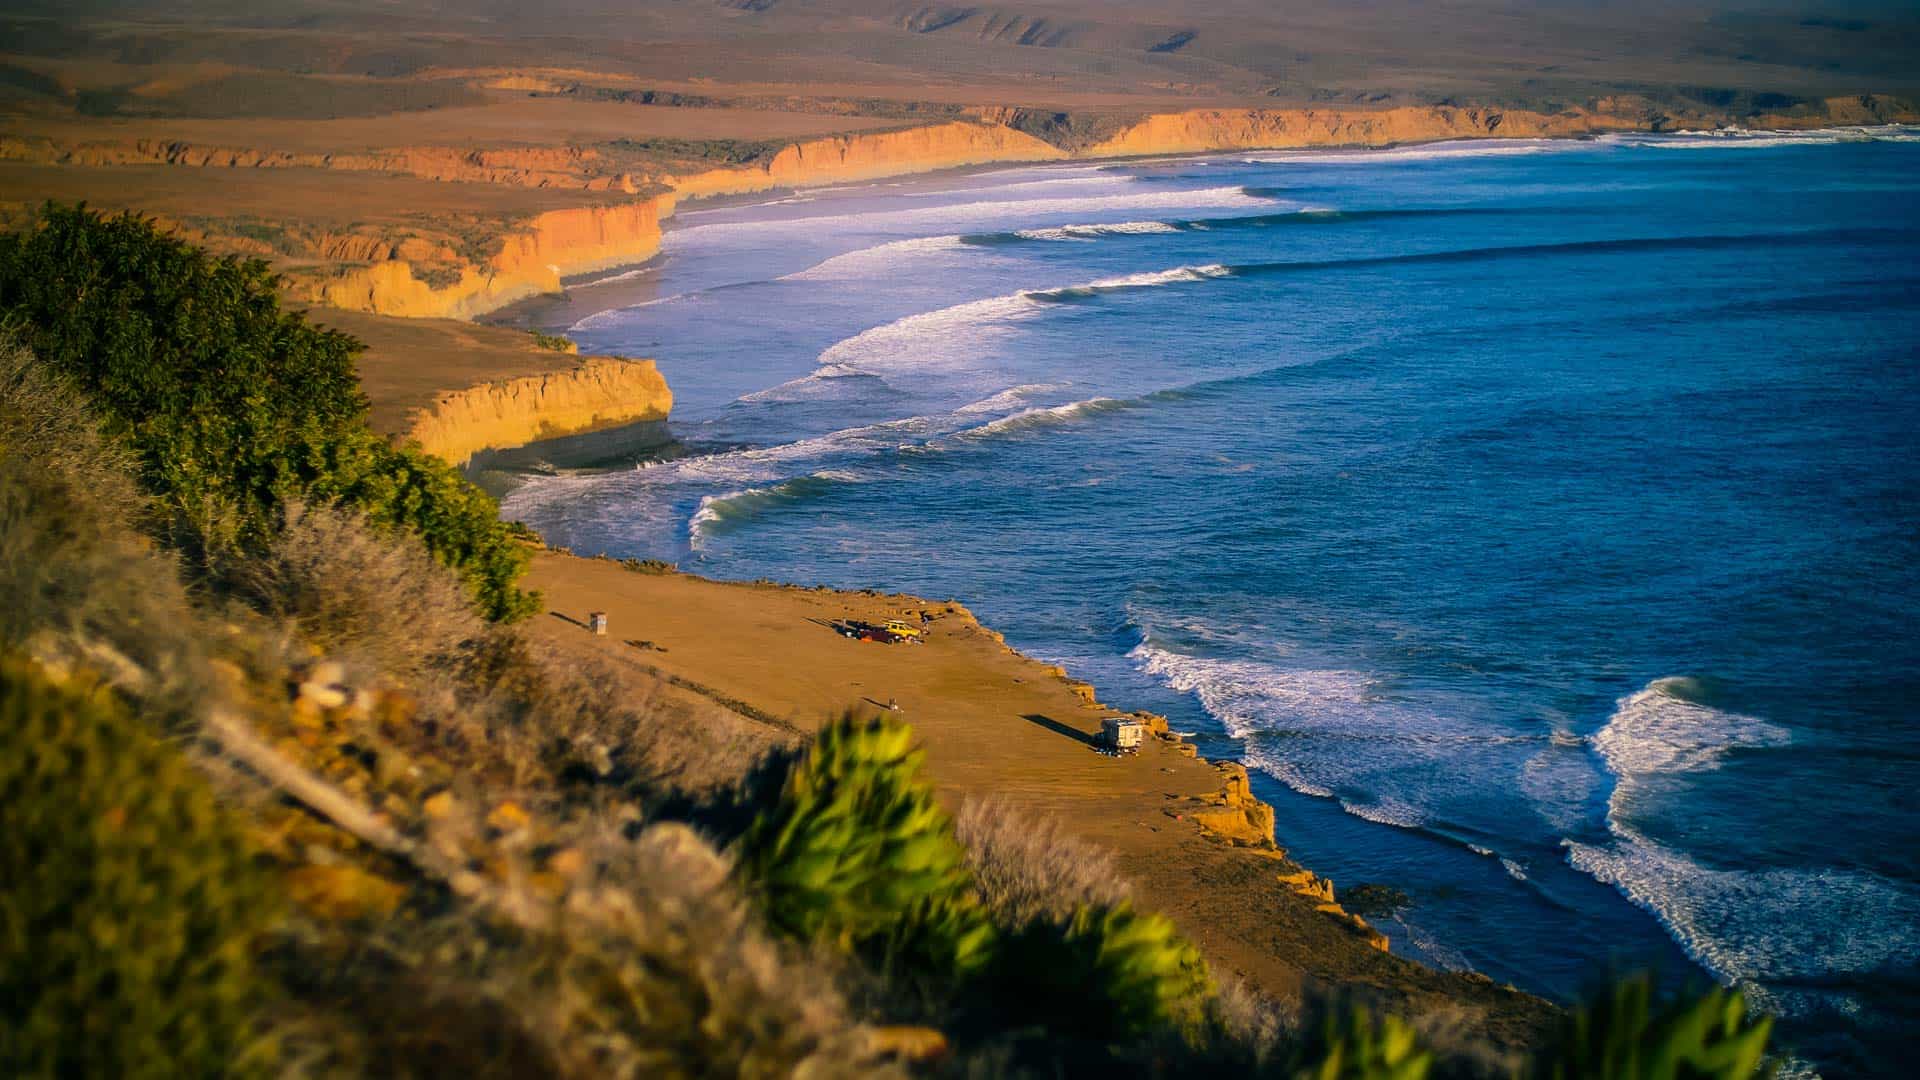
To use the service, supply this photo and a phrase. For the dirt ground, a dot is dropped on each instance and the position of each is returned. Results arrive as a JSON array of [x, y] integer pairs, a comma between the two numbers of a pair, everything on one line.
[[409, 362], [995, 723]]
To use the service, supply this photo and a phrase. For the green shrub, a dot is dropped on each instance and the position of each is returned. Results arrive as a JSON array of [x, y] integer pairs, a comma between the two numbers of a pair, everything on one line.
[[1110, 974], [233, 406], [857, 852], [1622, 1035], [1355, 1045], [131, 909], [551, 342]]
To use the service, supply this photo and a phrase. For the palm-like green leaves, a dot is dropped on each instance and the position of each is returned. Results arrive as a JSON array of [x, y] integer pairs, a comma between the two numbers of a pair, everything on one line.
[[1356, 1045], [1622, 1035], [856, 851]]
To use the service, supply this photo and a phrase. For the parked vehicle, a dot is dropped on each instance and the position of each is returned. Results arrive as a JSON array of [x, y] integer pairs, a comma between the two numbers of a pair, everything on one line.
[[1122, 735]]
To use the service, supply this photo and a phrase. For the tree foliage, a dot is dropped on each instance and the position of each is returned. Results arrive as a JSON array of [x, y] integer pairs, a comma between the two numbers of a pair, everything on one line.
[[233, 405]]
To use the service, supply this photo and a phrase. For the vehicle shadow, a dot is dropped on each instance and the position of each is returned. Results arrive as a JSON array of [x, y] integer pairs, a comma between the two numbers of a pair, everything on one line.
[[1059, 728]]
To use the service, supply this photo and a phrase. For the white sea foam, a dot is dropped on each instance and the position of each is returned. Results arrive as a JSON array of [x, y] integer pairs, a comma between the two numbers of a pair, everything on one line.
[[1150, 278], [864, 262], [1659, 730], [950, 335], [1052, 416], [810, 386], [1514, 869], [1745, 926], [1012, 398], [759, 477], [1464, 148], [1387, 812], [1334, 732], [1070, 233], [995, 211], [715, 511], [1743, 138]]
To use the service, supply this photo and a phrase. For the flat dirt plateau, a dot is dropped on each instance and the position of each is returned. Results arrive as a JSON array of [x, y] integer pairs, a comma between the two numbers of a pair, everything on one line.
[[996, 724]]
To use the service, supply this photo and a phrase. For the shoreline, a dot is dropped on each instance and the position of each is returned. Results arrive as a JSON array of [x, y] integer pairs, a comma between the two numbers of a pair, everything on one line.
[[995, 723], [525, 313]]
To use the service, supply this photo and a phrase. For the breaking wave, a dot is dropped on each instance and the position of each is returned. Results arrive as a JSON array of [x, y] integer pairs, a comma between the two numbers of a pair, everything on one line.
[[1328, 733], [1054, 416], [947, 335], [1760, 139], [1463, 148], [1224, 197], [1745, 926], [877, 258], [763, 479], [1070, 233], [719, 514]]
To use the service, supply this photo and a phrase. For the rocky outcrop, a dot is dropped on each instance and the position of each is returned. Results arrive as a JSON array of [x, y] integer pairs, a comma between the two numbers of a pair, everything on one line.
[[1236, 814], [600, 393], [531, 261]]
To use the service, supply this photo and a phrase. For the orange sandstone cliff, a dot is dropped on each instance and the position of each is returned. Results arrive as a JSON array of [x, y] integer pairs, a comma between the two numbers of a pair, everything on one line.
[[602, 392], [369, 270], [851, 158], [531, 261]]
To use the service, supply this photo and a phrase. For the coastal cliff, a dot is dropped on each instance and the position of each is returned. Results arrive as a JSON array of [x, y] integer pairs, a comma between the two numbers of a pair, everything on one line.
[[576, 241], [1202, 130], [852, 158], [455, 265], [602, 392], [530, 262]]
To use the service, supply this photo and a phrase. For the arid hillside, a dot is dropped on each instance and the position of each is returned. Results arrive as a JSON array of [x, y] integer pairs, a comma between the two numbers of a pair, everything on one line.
[[1065, 52]]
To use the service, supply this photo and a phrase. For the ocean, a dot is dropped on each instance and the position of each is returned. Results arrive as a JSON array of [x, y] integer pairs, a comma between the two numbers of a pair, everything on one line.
[[1538, 520]]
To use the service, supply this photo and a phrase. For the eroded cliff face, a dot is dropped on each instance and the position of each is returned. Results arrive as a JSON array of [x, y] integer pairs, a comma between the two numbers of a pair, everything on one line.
[[852, 158], [1202, 130], [577, 168], [531, 261], [567, 242], [602, 392]]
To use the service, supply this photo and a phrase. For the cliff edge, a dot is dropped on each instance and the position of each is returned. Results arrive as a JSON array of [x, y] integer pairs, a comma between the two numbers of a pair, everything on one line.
[[602, 392]]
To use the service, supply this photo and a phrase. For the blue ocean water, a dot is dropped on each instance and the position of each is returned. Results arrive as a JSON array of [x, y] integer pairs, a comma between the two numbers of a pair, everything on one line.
[[1540, 520]]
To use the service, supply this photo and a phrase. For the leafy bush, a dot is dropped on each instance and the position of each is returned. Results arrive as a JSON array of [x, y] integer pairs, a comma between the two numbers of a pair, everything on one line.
[[233, 406], [552, 342], [131, 911], [857, 852], [1621, 1035], [1109, 974], [1355, 1045]]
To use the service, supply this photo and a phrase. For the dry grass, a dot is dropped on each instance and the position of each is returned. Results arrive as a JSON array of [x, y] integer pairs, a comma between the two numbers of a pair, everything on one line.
[[1028, 869], [78, 581], [360, 593]]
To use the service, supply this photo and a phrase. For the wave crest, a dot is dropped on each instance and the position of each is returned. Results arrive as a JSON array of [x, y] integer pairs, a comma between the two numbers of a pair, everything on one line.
[[1742, 925]]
